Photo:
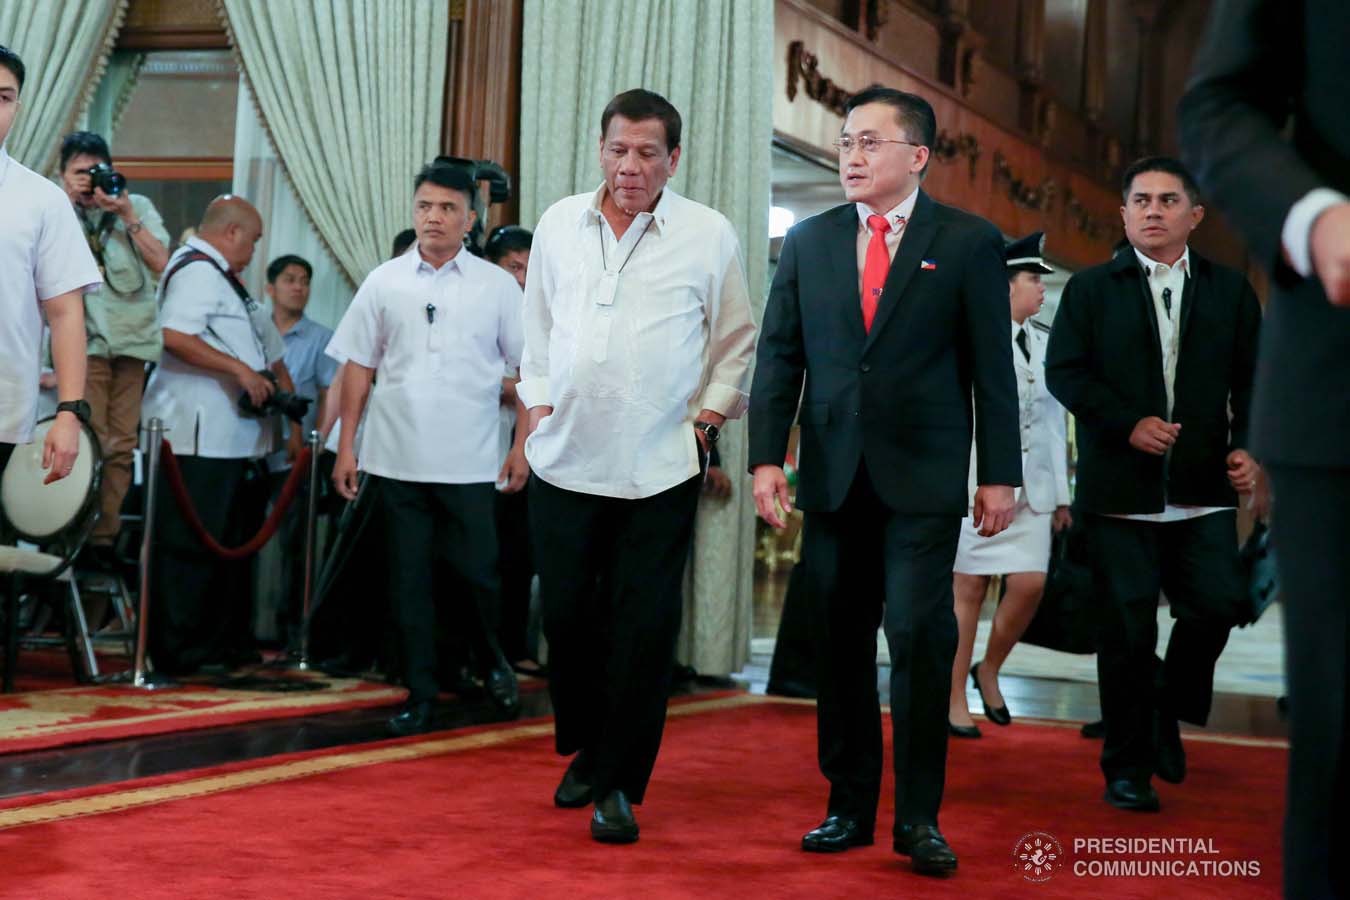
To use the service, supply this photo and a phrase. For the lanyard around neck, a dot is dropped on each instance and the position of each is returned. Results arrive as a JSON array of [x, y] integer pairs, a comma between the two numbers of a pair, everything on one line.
[[605, 262]]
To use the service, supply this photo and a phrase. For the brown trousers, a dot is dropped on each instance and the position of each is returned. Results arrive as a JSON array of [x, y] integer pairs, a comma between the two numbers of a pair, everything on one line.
[[113, 388]]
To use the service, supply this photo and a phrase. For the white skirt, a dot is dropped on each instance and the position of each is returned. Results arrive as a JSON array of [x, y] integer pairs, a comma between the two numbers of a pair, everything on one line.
[[1024, 546]]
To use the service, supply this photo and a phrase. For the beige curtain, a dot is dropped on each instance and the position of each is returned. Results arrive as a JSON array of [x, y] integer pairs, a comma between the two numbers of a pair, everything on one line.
[[112, 94], [260, 176], [352, 94], [64, 46], [711, 58]]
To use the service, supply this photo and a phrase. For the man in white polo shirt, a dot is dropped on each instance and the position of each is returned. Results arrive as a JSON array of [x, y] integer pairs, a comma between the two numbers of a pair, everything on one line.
[[438, 325], [218, 342], [45, 269], [638, 341]]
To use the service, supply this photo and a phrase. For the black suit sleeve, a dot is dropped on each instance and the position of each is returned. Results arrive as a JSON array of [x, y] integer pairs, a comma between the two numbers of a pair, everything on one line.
[[1071, 376], [1246, 73], [998, 441], [780, 364], [1244, 365]]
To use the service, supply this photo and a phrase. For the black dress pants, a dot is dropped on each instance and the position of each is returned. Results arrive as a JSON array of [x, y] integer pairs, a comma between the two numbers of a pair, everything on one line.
[[869, 566], [201, 606], [453, 524], [1312, 549], [793, 669], [517, 573], [1195, 563], [611, 650]]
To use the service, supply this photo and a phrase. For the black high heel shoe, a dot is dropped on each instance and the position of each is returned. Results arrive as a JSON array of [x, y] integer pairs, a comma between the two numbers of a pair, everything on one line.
[[999, 716], [963, 731]]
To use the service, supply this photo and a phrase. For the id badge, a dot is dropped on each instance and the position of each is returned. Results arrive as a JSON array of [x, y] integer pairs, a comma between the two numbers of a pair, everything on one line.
[[608, 289]]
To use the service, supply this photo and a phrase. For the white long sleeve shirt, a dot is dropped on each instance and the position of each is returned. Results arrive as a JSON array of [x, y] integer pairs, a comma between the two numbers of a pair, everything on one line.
[[628, 339]]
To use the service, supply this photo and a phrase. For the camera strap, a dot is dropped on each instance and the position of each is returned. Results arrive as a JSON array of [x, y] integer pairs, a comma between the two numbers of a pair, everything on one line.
[[240, 291]]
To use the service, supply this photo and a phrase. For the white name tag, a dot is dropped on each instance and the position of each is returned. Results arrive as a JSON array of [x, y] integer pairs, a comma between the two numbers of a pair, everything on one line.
[[608, 289]]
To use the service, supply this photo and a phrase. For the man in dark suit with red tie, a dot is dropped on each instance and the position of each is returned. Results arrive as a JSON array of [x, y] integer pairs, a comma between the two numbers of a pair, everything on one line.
[[1265, 123], [893, 309]]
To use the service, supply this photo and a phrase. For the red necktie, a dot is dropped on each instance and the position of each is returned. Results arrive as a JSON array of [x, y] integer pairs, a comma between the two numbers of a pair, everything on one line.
[[877, 264]]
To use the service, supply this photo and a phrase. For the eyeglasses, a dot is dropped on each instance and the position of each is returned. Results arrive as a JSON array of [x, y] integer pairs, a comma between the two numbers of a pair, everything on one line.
[[868, 143]]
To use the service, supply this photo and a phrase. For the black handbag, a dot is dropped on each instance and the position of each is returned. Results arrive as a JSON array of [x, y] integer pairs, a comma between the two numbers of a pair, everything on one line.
[[1066, 617], [1263, 579]]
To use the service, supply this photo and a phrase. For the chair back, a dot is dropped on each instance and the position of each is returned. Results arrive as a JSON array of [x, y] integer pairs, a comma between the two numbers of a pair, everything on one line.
[[62, 512]]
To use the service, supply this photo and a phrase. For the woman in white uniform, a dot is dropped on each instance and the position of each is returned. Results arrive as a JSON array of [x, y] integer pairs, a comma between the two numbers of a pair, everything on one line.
[[1022, 552]]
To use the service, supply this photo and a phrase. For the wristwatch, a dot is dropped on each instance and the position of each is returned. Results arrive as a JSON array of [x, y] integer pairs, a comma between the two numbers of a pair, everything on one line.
[[79, 407], [135, 227], [710, 431]]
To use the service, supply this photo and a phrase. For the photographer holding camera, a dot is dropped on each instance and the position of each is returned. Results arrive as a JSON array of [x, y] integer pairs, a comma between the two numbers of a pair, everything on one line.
[[219, 389], [130, 244]]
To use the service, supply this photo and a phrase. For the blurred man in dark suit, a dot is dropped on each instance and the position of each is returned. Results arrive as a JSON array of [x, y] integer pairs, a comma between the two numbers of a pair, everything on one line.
[[1286, 190], [1154, 354], [898, 307]]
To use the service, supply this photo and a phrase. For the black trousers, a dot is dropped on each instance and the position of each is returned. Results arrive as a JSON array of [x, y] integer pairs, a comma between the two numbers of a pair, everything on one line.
[[6, 451], [517, 572], [201, 606], [291, 538], [1312, 547], [453, 524], [868, 566], [793, 669], [1195, 563], [611, 650]]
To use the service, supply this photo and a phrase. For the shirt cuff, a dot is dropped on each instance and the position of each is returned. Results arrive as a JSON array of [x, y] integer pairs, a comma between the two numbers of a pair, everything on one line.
[[533, 392], [725, 400], [1296, 235]]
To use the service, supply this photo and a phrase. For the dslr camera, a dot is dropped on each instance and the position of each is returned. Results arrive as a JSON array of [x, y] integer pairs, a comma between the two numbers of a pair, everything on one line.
[[287, 404], [499, 191], [106, 177]]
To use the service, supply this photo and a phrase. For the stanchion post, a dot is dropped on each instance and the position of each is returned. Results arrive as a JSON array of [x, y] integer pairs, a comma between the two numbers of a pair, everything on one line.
[[311, 527], [155, 431]]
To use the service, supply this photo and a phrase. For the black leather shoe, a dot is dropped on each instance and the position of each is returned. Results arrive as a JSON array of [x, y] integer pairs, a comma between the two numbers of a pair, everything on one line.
[[574, 791], [502, 688], [1094, 730], [414, 718], [998, 716], [1170, 760], [963, 731], [613, 822], [1132, 795], [929, 850], [836, 834]]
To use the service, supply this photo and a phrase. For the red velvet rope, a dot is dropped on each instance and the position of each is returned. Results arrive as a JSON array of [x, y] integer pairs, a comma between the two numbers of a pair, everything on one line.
[[174, 475]]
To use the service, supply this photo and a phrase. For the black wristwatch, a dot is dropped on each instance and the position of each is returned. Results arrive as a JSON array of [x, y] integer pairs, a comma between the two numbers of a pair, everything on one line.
[[79, 407], [710, 431]]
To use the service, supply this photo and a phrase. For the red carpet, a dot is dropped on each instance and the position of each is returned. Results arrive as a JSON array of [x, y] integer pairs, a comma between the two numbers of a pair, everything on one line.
[[468, 814]]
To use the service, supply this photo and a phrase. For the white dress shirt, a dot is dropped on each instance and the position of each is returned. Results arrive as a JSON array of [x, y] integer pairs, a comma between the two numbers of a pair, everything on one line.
[[628, 358], [200, 407], [432, 414], [897, 217], [1175, 276], [43, 254], [1296, 235]]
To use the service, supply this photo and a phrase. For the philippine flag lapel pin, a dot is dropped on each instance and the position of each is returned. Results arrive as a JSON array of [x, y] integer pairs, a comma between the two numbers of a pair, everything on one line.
[[928, 265]]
